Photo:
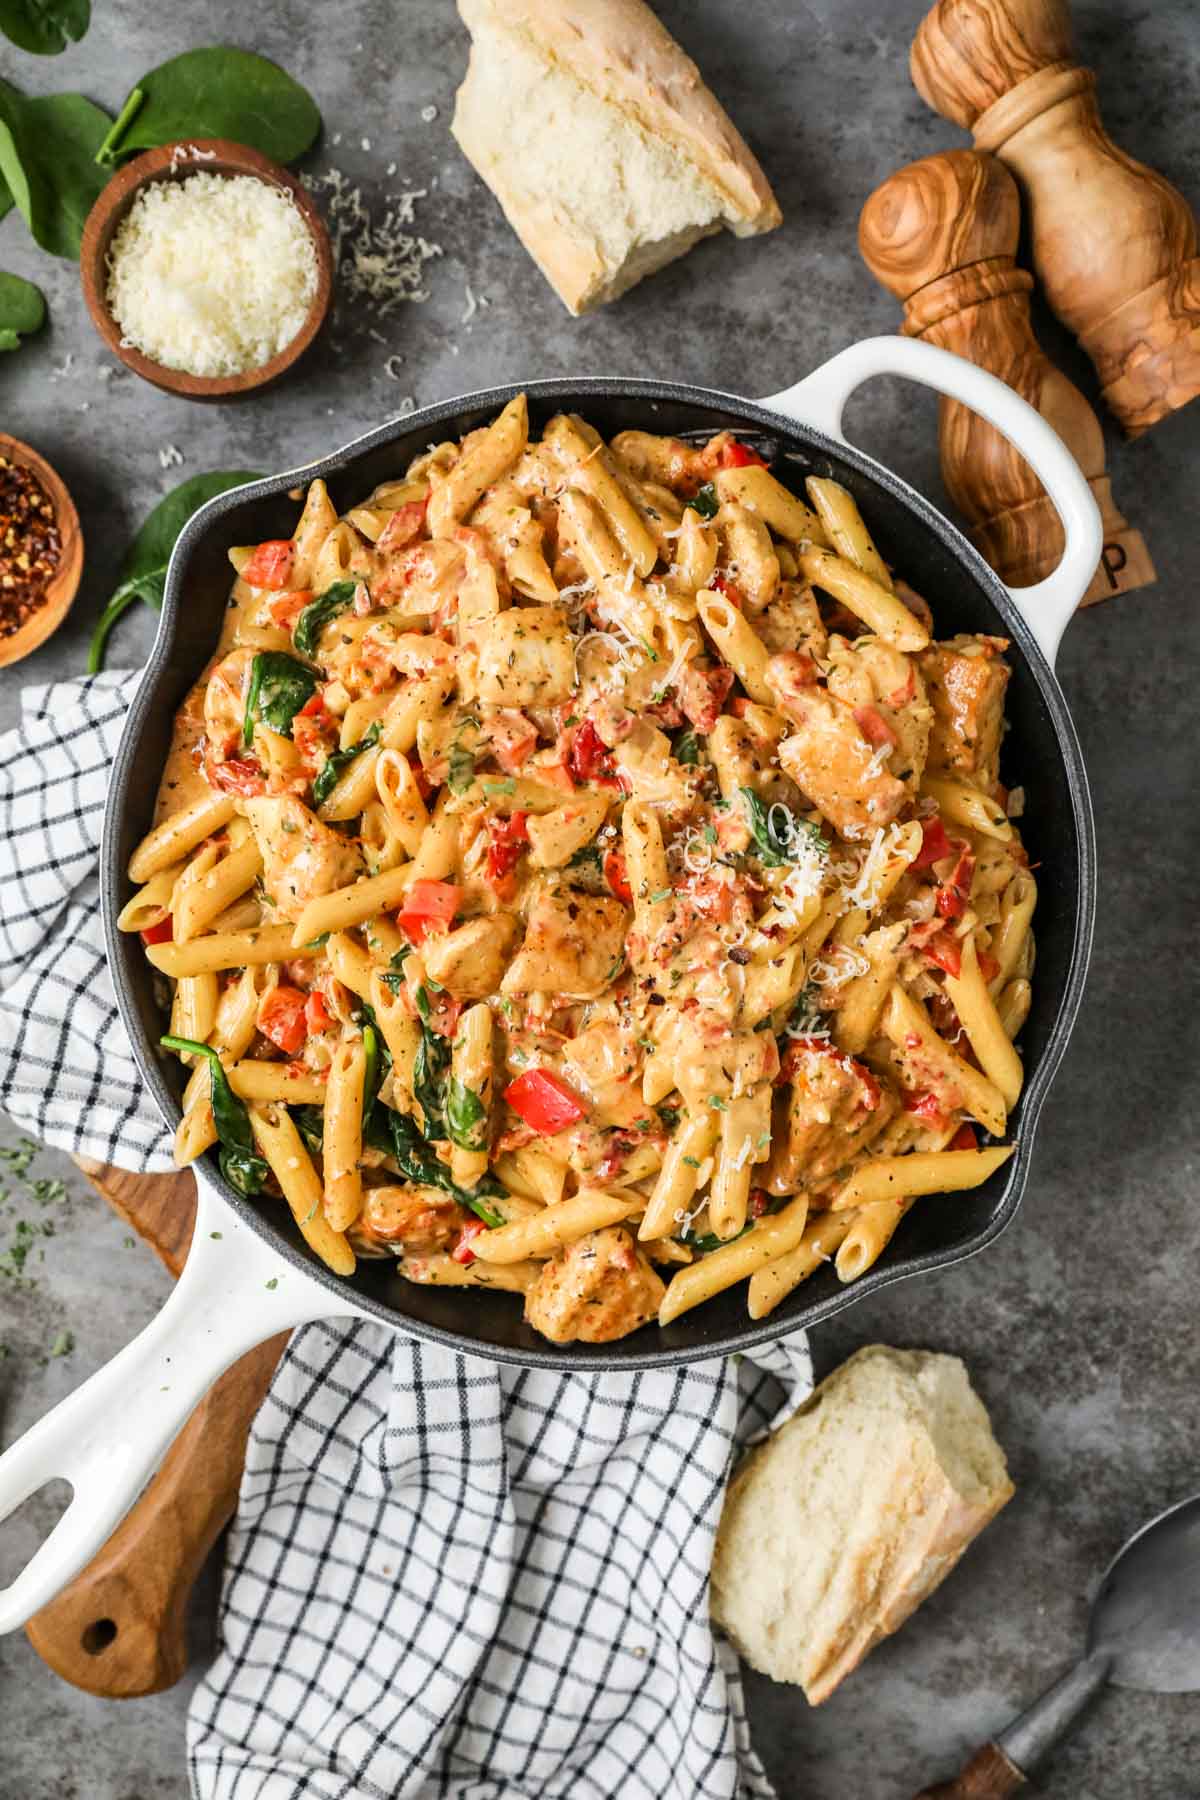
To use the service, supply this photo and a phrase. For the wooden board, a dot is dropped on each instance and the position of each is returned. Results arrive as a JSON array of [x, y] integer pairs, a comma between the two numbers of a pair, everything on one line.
[[119, 1629]]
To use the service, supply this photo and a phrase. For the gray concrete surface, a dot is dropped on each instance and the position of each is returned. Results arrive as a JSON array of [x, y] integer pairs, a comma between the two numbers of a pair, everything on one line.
[[1080, 1326]]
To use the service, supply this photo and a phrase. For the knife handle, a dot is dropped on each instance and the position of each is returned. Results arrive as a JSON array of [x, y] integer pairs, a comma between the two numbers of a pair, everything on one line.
[[988, 1776]]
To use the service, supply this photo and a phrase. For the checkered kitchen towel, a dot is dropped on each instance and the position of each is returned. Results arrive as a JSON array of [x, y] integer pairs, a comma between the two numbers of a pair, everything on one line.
[[446, 1578]]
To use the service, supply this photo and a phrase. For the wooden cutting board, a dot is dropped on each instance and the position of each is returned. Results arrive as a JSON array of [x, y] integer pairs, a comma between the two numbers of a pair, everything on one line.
[[120, 1628]]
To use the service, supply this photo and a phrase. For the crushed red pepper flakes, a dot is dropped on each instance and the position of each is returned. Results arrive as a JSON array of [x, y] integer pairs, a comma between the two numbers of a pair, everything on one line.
[[30, 545]]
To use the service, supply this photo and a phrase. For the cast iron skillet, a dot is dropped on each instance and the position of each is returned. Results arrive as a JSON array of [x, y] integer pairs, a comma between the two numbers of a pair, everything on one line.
[[223, 1303]]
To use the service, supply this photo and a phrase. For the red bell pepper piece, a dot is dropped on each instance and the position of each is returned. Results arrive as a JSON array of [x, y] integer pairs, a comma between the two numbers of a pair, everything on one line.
[[732, 592], [161, 933], [544, 1101], [237, 775], [287, 608], [952, 895], [927, 1107], [312, 706], [617, 877], [964, 1139], [317, 1016], [506, 839], [271, 564], [427, 905], [945, 950], [403, 525], [740, 456], [589, 757], [462, 1251], [934, 843], [281, 1017]]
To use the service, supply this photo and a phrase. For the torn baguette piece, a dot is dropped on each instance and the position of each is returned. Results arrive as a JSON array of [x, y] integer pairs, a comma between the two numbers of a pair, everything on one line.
[[601, 142], [839, 1525]]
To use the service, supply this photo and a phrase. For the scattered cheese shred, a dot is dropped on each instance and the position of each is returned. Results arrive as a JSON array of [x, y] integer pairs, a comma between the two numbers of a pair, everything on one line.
[[212, 274], [379, 262]]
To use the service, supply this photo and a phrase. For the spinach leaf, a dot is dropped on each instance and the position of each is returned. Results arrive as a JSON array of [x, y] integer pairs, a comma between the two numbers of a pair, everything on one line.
[[310, 1123], [708, 1240], [44, 27], [686, 749], [319, 613], [779, 836], [338, 760], [47, 164], [378, 1063], [431, 1066], [705, 501], [144, 571], [241, 1165], [22, 310], [279, 687], [466, 1116], [216, 93], [397, 1136]]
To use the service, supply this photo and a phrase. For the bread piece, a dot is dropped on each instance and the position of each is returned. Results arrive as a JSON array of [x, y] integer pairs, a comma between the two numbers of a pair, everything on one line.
[[601, 142], [837, 1527]]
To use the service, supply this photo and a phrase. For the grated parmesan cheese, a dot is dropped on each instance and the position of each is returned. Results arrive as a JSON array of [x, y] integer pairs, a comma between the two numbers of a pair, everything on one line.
[[212, 274]]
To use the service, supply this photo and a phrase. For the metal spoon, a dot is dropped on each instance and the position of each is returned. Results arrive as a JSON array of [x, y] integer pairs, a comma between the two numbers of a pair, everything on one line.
[[1144, 1632]]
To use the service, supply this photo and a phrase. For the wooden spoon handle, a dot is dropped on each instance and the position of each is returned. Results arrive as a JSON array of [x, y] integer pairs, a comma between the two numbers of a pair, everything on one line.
[[119, 1629], [988, 1776]]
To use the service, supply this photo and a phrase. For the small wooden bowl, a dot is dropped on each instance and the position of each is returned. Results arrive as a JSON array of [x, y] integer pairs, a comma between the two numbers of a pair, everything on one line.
[[175, 162], [64, 584]]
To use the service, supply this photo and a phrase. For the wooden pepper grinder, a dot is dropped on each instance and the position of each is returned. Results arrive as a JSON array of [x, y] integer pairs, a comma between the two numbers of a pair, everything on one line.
[[1114, 244], [942, 235]]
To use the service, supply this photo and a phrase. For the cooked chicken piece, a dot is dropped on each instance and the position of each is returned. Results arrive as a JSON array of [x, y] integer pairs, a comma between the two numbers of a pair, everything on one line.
[[653, 458], [643, 758], [712, 1062], [526, 658], [302, 858], [419, 578], [602, 1062], [966, 679], [834, 1108], [830, 759], [574, 945], [886, 693], [596, 1290], [469, 960], [416, 1218], [793, 621]]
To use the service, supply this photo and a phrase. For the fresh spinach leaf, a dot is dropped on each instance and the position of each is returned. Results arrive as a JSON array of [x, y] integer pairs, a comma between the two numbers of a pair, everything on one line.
[[397, 1136], [319, 613], [144, 571], [217, 93], [279, 686], [686, 749], [466, 1116], [47, 164], [44, 27], [22, 310], [705, 501], [779, 836], [708, 1240], [339, 760], [379, 1061], [431, 1066], [241, 1165], [310, 1123]]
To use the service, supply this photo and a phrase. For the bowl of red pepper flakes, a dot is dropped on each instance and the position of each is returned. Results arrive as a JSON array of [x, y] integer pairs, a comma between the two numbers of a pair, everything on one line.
[[41, 550]]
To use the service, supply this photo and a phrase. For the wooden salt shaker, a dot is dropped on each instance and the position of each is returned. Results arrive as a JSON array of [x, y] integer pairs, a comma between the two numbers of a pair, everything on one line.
[[1114, 244], [942, 235]]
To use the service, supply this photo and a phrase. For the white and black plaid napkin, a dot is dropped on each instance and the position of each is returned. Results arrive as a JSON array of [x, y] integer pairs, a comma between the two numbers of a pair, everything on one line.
[[446, 1577]]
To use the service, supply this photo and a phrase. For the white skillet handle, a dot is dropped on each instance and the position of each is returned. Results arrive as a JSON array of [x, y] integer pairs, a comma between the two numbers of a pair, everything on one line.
[[819, 400], [109, 1436]]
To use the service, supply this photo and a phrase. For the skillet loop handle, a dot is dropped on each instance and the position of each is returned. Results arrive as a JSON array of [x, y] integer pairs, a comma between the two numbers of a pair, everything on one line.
[[820, 399], [108, 1437]]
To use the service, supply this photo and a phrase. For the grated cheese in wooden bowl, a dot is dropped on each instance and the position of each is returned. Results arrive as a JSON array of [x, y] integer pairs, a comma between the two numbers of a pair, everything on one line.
[[213, 275]]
